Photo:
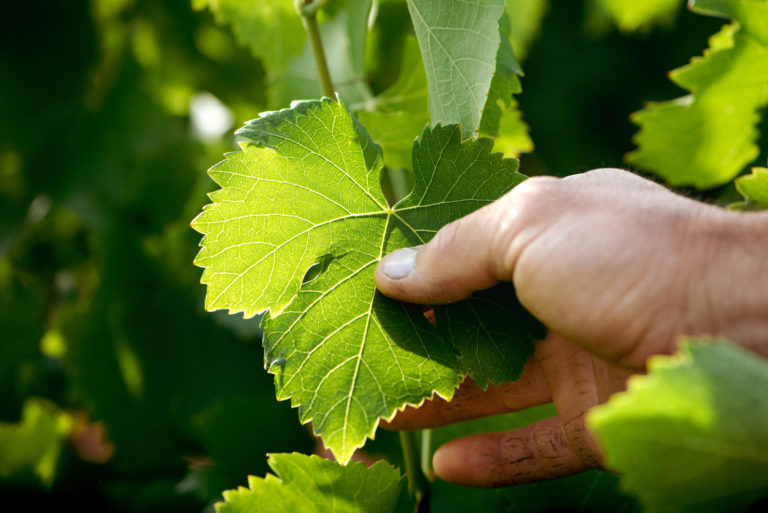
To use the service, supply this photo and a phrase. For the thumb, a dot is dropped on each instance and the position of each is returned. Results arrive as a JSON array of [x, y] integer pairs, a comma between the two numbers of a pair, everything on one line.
[[461, 258]]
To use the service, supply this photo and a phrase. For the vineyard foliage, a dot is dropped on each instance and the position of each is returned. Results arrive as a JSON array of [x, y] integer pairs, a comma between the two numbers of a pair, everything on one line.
[[122, 393]]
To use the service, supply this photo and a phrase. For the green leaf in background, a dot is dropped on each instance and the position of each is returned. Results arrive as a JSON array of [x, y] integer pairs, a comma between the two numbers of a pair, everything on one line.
[[639, 14], [34, 443], [310, 484], [706, 138], [754, 188], [274, 33], [501, 118], [271, 29], [308, 193], [524, 23], [459, 43], [400, 112], [691, 435], [343, 29]]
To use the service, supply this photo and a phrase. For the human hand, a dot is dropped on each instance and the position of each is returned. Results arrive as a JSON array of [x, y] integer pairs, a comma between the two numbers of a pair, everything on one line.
[[558, 372], [613, 263]]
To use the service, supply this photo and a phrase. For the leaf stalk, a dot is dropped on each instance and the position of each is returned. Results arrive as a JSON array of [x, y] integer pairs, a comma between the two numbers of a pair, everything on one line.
[[308, 10], [418, 486]]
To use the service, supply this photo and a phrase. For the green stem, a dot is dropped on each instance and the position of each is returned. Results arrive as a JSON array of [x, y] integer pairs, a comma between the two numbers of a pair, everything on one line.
[[426, 454], [418, 487], [313, 31]]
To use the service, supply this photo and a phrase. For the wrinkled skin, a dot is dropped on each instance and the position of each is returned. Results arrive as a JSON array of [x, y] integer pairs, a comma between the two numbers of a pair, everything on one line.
[[617, 267]]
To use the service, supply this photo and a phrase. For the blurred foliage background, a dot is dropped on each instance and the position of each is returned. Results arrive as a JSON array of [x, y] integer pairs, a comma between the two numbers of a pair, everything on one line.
[[118, 391]]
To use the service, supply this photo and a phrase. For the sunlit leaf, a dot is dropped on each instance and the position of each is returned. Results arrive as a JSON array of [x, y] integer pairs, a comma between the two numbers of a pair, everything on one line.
[[691, 434], [307, 193], [706, 138], [754, 188], [639, 14], [310, 484], [459, 42], [34, 444]]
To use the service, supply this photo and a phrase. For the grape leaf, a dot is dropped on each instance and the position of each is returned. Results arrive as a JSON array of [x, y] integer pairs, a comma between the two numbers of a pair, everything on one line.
[[459, 42], [754, 188], [524, 23], [311, 484], [692, 432], [706, 138], [274, 33], [271, 29], [639, 14], [501, 118], [34, 443], [307, 193], [400, 112]]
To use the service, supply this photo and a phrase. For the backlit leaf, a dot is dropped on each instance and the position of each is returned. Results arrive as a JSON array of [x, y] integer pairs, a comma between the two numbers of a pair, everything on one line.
[[307, 193], [35, 442], [754, 188], [272, 29], [310, 484], [706, 138], [459, 42], [692, 432], [639, 14]]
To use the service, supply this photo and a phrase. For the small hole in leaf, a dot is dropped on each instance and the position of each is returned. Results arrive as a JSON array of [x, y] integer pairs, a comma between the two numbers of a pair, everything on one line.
[[316, 269], [429, 314]]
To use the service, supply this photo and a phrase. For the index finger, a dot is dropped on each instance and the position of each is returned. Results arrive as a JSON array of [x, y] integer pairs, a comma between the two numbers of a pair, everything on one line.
[[471, 402]]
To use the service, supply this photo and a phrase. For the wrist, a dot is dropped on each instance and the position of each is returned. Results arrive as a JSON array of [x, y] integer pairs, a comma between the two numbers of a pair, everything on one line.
[[735, 278]]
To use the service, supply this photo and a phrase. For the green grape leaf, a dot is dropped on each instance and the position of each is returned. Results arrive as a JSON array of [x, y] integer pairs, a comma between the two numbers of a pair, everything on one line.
[[706, 138], [479, 329], [34, 443], [272, 29], [394, 132], [639, 14], [311, 484], [692, 432], [400, 112], [307, 193], [751, 14], [459, 43], [754, 188], [501, 118], [524, 23]]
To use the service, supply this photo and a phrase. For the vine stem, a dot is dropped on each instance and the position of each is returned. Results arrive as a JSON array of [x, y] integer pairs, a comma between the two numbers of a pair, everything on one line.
[[308, 14], [426, 454], [418, 486]]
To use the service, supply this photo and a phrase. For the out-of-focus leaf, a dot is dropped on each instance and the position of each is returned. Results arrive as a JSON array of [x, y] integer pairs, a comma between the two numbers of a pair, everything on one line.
[[310, 484], [271, 29], [639, 14], [409, 92], [525, 18], [343, 29], [459, 43], [400, 112], [501, 118], [690, 436], [34, 443], [706, 138], [308, 193], [754, 188]]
